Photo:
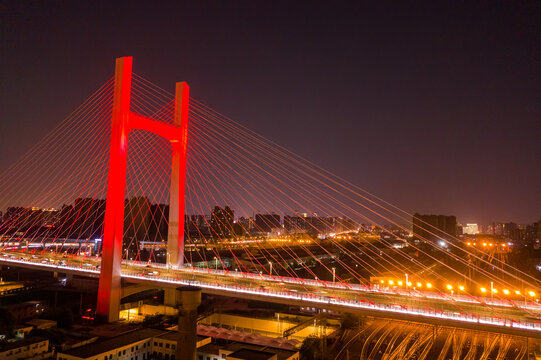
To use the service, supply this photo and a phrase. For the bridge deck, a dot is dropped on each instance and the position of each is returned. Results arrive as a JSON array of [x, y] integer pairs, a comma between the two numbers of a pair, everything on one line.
[[433, 308]]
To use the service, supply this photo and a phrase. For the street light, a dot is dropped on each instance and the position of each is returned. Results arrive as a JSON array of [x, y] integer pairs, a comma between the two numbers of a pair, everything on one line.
[[216, 263], [333, 275], [407, 282], [270, 264]]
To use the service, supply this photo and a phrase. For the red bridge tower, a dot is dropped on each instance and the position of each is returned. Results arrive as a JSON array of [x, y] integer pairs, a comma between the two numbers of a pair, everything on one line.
[[122, 122]]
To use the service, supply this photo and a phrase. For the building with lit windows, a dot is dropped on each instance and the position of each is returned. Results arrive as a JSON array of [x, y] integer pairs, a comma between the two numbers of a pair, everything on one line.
[[141, 344], [470, 229], [24, 349]]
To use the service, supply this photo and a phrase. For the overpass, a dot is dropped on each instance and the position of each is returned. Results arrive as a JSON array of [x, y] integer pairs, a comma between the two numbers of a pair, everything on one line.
[[494, 315]]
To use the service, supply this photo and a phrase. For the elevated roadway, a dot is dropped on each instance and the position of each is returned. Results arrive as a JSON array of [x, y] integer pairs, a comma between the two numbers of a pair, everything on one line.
[[513, 317]]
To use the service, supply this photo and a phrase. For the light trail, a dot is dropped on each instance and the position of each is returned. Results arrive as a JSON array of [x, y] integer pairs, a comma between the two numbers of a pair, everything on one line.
[[134, 271]]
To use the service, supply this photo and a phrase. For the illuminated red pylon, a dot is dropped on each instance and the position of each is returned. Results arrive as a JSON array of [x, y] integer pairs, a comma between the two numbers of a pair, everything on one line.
[[122, 122]]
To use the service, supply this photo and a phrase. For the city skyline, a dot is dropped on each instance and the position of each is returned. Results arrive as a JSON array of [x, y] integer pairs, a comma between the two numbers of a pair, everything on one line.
[[271, 180], [449, 128], [244, 214]]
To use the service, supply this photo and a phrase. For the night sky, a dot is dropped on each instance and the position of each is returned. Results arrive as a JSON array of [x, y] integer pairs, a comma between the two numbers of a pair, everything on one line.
[[433, 106]]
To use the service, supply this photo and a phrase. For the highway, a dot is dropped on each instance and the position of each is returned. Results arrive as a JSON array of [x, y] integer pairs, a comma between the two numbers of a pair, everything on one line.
[[426, 306]]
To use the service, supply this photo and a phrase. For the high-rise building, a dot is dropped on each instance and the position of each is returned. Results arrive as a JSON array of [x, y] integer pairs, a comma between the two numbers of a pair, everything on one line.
[[159, 222], [137, 218], [434, 227], [470, 229], [266, 223], [221, 222]]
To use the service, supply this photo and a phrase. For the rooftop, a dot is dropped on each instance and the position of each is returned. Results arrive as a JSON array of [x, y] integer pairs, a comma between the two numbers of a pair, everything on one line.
[[235, 347], [105, 345], [250, 354], [19, 343], [172, 335]]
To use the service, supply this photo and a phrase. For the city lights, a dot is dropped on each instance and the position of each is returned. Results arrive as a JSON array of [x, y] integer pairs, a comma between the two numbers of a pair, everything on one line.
[[215, 240]]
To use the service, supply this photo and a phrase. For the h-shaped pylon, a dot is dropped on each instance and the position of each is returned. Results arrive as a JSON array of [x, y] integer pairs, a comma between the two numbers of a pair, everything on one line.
[[123, 120]]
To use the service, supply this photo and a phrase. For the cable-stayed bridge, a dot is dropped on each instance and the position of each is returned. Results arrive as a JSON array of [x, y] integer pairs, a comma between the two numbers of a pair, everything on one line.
[[144, 165]]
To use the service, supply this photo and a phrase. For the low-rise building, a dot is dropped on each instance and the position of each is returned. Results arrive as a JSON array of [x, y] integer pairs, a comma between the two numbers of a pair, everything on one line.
[[140, 344], [249, 354], [24, 349], [21, 331], [41, 324], [26, 310], [241, 350]]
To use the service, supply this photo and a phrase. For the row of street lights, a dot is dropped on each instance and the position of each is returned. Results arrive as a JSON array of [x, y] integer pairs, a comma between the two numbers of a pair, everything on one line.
[[461, 288], [409, 284]]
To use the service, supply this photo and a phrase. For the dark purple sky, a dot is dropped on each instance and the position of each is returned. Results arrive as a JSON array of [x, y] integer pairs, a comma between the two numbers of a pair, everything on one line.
[[433, 106]]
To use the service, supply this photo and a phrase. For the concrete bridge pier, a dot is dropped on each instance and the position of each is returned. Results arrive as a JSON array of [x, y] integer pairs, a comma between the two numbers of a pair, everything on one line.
[[170, 297], [188, 299]]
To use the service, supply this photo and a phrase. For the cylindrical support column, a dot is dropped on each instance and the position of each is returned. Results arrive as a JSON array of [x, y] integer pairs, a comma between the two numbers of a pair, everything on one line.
[[189, 299], [109, 285]]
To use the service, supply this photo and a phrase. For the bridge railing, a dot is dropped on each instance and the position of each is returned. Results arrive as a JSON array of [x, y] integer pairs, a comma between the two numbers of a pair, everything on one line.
[[316, 299]]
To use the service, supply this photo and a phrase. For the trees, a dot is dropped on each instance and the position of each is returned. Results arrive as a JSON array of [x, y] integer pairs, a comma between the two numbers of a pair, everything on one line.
[[63, 316], [311, 348], [347, 321]]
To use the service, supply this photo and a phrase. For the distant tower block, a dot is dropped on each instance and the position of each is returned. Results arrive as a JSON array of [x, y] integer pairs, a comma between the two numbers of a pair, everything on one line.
[[123, 120]]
